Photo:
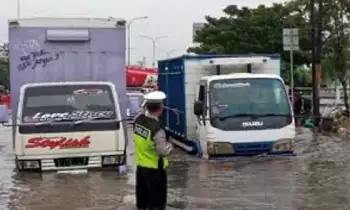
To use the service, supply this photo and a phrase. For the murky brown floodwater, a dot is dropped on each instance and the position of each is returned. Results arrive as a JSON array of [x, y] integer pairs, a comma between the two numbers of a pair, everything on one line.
[[317, 179]]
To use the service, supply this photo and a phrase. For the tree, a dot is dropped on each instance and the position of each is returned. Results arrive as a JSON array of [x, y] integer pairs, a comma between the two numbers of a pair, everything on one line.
[[4, 50], [259, 30], [253, 30], [337, 53], [302, 75], [4, 72], [4, 65]]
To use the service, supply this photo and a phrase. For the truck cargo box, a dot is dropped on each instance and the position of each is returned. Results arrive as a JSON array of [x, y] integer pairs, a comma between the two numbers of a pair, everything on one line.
[[179, 77], [67, 49]]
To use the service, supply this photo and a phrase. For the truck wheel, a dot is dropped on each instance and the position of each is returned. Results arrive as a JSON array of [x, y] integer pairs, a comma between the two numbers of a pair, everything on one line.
[[123, 168], [124, 156]]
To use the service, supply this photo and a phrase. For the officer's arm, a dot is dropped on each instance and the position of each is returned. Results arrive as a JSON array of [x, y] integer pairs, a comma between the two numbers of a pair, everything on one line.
[[162, 146]]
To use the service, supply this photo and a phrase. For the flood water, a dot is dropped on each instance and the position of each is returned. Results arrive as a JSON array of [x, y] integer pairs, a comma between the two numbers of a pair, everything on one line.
[[317, 179]]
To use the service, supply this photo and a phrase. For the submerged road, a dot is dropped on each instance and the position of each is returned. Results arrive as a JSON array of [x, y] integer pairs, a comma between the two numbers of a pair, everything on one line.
[[317, 179]]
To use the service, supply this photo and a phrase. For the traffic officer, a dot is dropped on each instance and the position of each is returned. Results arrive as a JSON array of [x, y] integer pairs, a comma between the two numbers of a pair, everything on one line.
[[151, 151]]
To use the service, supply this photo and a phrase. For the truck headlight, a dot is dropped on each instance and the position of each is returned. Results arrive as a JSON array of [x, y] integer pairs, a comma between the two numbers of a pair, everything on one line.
[[219, 148], [31, 164], [110, 160], [283, 145]]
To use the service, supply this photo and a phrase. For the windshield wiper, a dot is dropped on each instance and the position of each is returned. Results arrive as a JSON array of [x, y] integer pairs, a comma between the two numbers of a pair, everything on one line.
[[39, 124], [50, 122], [253, 116], [77, 122], [237, 115], [273, 115]]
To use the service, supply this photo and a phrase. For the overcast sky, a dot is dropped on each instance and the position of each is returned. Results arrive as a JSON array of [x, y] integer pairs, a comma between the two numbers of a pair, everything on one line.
[[172, 18]]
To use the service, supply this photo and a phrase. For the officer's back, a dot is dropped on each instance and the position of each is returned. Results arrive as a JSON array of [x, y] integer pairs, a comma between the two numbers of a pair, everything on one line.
[[151, 151]]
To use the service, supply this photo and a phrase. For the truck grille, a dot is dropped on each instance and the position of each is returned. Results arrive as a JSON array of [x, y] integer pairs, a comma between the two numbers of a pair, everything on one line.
[[252, 148], [67, 162]]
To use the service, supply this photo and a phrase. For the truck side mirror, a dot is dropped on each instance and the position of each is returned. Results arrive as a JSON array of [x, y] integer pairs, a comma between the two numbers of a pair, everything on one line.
[[198, 108], [4, 114]]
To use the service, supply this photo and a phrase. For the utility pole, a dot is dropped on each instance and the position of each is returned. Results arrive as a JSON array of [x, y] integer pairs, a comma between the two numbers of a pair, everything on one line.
[[128, 31], [318, 57], [315, 86], [18, 9], [154, 44]]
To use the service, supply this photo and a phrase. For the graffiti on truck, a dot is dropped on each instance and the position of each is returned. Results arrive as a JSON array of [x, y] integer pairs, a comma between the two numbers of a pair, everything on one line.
[[37, 58], [32, 44]]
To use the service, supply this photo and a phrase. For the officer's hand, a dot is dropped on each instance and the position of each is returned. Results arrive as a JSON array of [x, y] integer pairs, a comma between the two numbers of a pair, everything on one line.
[[169, 148]]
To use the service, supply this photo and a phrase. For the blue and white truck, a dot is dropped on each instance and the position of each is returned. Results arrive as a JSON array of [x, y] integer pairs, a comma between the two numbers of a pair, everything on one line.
[[227, 105]]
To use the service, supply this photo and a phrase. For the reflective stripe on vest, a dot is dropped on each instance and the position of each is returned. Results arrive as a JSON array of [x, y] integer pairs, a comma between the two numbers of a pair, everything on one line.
[[145, 151]]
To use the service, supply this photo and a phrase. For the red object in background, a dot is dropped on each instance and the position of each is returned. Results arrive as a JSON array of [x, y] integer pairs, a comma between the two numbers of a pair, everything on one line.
[[141, 77], [6, 99]]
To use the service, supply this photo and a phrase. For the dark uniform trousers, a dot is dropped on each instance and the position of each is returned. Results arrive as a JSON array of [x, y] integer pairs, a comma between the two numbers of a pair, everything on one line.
[[151, 188], [151, 184]]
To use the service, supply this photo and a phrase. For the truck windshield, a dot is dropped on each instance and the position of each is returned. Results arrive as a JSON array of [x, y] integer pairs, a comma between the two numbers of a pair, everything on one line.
[[234, 100], [68, 103]]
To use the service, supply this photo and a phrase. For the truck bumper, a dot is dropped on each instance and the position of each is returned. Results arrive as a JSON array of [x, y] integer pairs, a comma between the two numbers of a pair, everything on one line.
[[264, 155], [241, 150], [71, 161]]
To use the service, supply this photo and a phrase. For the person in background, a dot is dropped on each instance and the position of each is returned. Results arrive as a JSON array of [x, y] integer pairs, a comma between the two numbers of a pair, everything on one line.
[[151, 151], [297, 103]]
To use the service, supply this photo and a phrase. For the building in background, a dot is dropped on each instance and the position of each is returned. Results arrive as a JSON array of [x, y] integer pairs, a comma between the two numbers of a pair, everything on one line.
[[196, 27]]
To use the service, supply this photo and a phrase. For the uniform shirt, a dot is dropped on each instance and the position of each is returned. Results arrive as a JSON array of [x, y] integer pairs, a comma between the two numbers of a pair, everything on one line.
[[163, 147]]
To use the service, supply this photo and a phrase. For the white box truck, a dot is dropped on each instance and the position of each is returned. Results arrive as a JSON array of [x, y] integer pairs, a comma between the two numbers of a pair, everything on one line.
[[68, 93], [222, 106]]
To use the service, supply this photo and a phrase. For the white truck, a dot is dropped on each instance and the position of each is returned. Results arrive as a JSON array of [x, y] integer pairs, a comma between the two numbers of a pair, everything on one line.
[[68, 93], [222, 106]]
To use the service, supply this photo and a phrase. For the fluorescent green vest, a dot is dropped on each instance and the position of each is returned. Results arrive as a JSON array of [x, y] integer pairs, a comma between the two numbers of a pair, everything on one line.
[[145, 151]]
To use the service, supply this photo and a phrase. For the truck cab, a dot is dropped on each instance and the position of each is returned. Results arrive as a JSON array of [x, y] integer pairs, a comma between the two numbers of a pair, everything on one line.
[[241, 114], [69, 125]]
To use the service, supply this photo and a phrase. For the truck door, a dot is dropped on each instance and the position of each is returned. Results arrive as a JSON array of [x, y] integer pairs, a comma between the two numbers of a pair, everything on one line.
[[201, 131]]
